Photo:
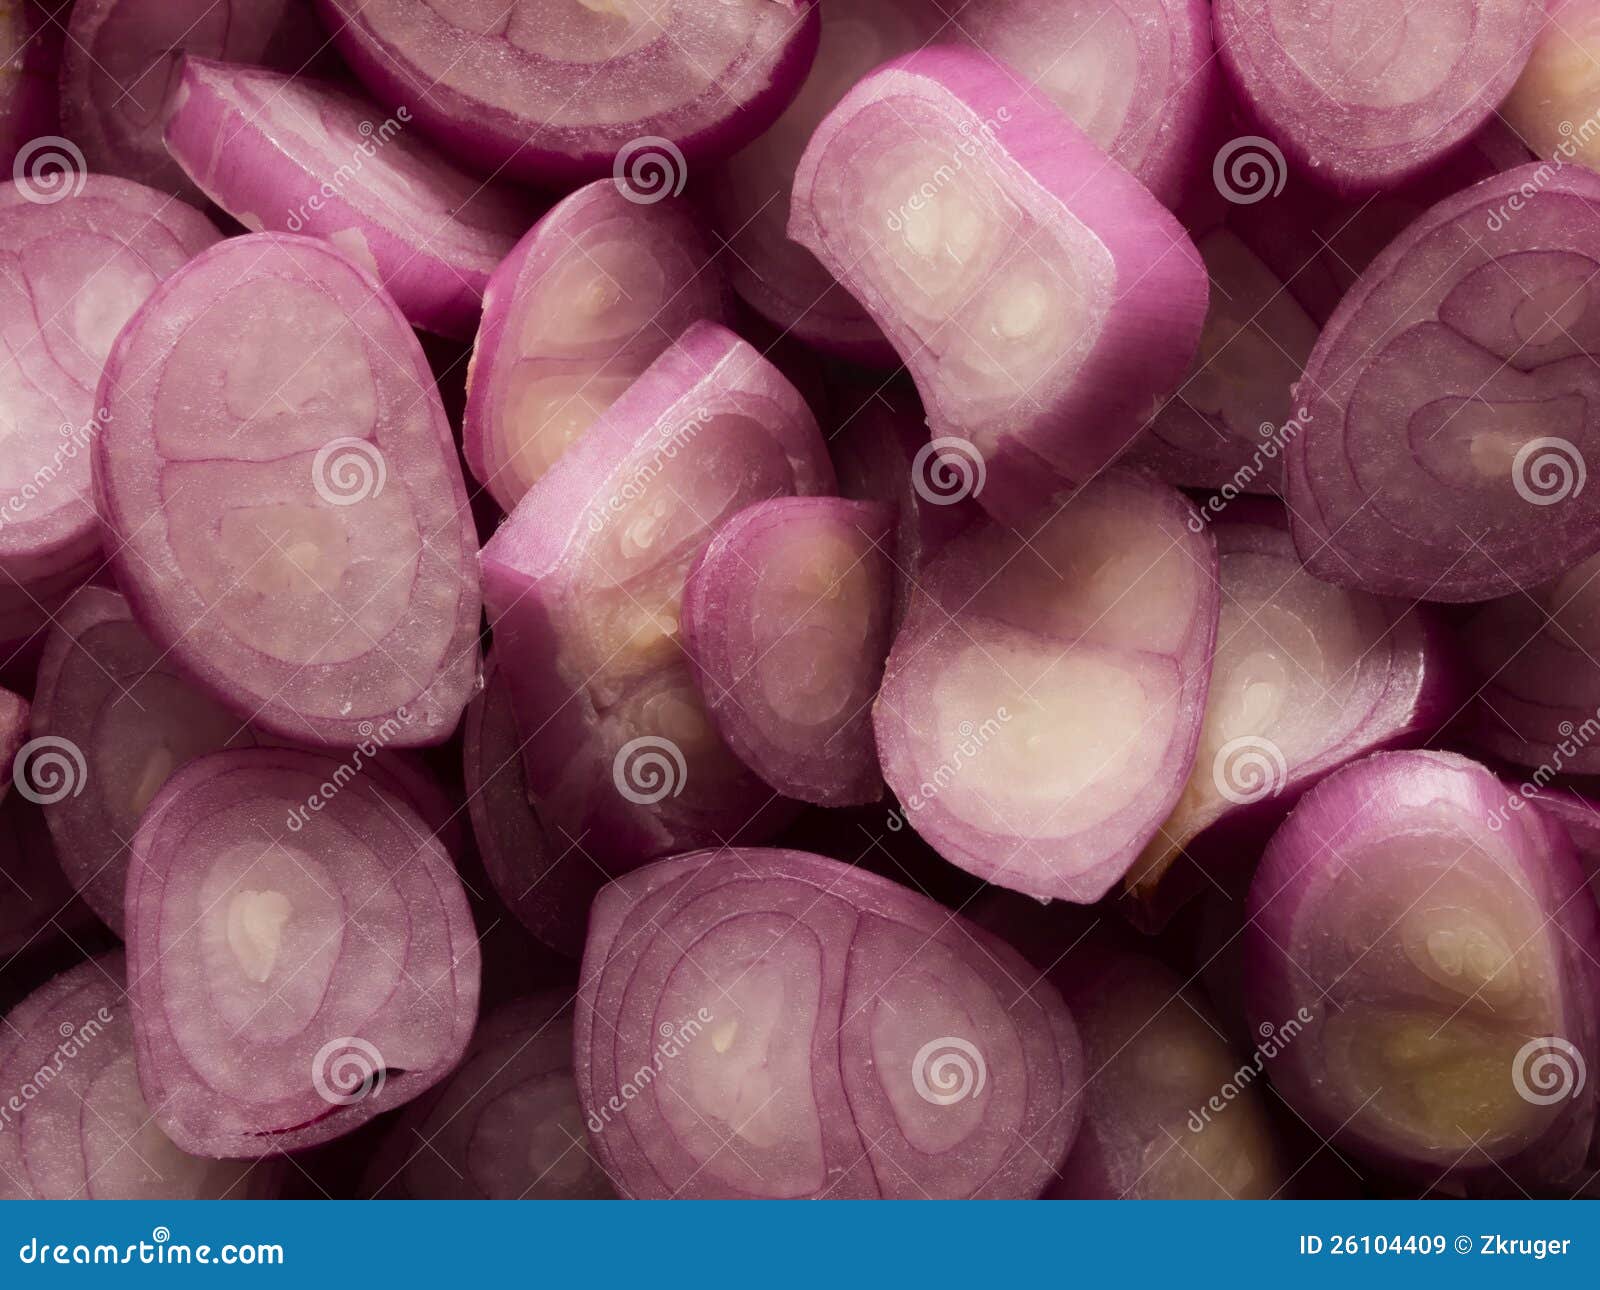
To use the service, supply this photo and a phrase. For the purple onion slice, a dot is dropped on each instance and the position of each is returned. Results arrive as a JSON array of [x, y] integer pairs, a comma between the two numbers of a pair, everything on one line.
[[561, 93], [1442, 946], [1580, 817], [1226, 425], [283, 487], [1039, 295], [584, 586], [812, 1030], [290, 984], [30, 52], [1450, 401], [549, 886], [1364, 94], [83, 252], [1533, 657], [1159, 1122], [506, 1126], [786, 624], [293, 155], [75, 1126], [1043, 700], [122, 61], [1306, 677], [587, 300]]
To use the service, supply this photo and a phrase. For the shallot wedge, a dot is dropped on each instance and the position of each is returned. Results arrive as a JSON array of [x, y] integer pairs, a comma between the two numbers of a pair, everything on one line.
[[1043, 700], [549, 887], [1039, 296], [505, 1126], [76, 1126], [1552, 105], [1306, 677], [1580, 817], [812, 1030], [1534, 661], [293, 155], [1452, 400], [288, 514], [30, 52], [587, 300], [786, 621], [290, 984], [1362, 95], [78, 256], [122, 60], [1226, 425], [584, 585], [1443, 946], [556, 95]]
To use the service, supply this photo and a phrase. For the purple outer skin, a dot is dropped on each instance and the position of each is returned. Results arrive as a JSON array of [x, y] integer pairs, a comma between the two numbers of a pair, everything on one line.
[[1303, 859], [1356, 545], [524, 149], [840, 766], [944, 592], [1422, 691], [165, 603], [46, 556], [112, 144], [528, 579], [187, 1107], [1151, 328], [624, 971], [1319, 134], [434, 263], [30, 54], [1580, 817], [549, 889], [540, 250]]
